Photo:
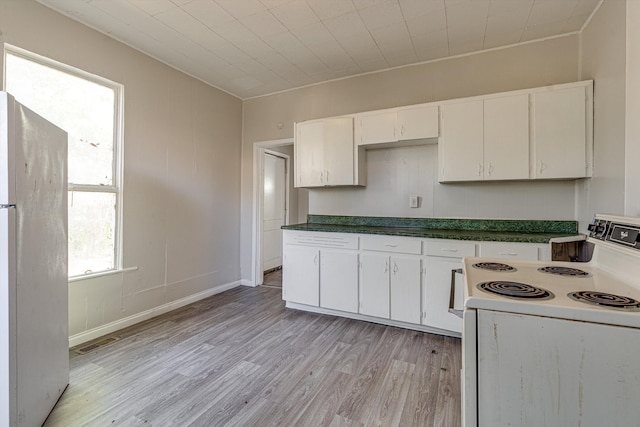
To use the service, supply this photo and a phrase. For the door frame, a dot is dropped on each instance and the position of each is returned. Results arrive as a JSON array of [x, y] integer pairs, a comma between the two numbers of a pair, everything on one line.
[[259, 149]]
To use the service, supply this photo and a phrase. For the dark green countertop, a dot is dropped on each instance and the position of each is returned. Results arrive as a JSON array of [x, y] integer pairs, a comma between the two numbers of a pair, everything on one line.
[[525, 231]]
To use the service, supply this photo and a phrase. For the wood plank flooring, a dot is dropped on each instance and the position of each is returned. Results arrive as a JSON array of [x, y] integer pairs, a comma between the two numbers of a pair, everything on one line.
[[240, 358], [273, 278]]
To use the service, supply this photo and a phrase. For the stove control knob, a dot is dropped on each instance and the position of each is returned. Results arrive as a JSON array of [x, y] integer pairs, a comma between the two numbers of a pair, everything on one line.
[[597, 229]]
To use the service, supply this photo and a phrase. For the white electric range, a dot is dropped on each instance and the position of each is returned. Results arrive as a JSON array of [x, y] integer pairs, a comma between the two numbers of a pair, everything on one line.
[[555, 343]]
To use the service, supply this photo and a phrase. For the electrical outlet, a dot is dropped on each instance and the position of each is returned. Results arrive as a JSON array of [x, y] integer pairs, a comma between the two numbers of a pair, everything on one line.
[[414, 201]]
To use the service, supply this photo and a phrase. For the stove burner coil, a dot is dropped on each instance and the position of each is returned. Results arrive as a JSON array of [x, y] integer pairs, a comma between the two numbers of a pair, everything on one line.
[[605, 299], [493, 266], [515, 290], [564, 271]]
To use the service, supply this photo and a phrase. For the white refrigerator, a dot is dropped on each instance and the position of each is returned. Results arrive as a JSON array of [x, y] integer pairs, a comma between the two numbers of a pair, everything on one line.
[[34, 340]]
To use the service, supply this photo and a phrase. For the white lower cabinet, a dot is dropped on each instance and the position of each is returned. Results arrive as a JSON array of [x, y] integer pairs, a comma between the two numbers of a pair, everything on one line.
[[400, 279], [339, 280], [390, 287], [405, 289], [301, 275], [374, 285]]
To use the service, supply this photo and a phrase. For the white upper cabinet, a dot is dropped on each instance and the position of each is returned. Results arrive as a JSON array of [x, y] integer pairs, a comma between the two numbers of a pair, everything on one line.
[[309, 153], [561, 121], [418, 122], [399, 124], [543, 133], [506, 138], [324, 153], [460, 150], [376, 128], [485, 139]]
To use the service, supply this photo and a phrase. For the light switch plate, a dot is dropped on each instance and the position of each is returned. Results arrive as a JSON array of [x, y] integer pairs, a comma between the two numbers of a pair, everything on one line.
[[414, 201]]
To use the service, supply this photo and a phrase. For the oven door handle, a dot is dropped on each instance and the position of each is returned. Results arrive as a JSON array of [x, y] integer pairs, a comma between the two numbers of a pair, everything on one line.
[[452, 295]]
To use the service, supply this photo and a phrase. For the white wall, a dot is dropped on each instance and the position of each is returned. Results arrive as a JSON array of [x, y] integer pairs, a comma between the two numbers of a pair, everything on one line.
[[181, 173], [632, 146], [394, 174], [603, 60]]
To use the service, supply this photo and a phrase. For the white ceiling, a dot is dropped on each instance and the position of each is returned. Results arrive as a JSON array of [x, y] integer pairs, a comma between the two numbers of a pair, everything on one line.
[[256, 47]]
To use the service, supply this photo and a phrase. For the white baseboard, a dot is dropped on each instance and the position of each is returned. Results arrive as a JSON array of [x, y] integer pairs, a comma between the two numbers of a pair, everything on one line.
[[109, 328], [357, 316], [245, 282]]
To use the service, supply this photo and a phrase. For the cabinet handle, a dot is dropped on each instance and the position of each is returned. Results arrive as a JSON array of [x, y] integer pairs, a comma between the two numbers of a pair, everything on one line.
[[395, 267], [509, 253], [322, 177], [402, 131], [386, 266], [542, 167], [327, 177], [389, 245], [490, 168], [449, 250], [479, 169], [315, 259], [394, 133]]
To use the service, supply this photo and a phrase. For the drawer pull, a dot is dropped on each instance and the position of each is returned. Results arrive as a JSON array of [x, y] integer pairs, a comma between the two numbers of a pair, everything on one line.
[[509, 253], [389, 245], [449, 250]]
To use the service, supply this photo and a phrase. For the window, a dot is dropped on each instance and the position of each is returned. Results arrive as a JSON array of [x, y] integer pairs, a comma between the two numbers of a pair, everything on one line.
[[88, 107]]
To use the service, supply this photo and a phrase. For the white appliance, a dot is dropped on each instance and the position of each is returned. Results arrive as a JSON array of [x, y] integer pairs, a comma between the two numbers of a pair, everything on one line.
[[555, 343], [34, 340]]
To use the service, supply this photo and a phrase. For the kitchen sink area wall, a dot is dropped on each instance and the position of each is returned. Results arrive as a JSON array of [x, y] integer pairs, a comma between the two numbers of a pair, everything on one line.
[[181, 187], [394, 174]]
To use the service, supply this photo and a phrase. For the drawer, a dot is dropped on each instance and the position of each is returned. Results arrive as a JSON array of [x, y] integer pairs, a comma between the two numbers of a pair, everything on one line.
[[449, 248], [326, 240], [509, 250], [405, 245]]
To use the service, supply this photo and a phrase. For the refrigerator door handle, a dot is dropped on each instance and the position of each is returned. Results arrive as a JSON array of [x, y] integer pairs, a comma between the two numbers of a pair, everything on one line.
[[7, 206]]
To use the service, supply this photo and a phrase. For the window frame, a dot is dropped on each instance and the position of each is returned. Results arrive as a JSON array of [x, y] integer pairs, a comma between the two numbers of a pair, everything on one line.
[[116, 186]]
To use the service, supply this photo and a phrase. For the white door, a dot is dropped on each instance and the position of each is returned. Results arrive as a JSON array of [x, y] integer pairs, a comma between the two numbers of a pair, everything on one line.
[[274, 212]]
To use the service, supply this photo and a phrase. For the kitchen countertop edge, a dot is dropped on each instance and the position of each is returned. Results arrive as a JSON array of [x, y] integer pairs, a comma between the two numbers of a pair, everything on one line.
[[448, 234]]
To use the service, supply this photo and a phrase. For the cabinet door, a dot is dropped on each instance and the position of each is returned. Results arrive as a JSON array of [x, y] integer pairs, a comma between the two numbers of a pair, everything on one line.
[[526, 251], [559, 133], [405, 289], [309, 154], [437, 290], [461, 146], [418, 123], [338, 151], [374, 285], [301, 275], [339, 280], [377, 128], [506, 138]]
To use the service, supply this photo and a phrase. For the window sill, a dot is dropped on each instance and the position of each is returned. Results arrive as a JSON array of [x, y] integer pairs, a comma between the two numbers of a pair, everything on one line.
[[100, 274]]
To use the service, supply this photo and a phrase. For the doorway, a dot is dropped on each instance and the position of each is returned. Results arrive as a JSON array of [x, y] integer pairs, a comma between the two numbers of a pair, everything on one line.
[[274, 212], [265, 223]]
